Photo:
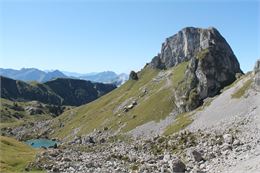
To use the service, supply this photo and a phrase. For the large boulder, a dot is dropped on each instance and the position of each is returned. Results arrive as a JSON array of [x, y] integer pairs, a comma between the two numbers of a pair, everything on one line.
[[257, 74], [211, 64], [133, 75]]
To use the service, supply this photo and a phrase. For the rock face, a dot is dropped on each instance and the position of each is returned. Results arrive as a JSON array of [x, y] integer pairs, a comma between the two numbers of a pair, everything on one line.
[[257, 74], [212, 64]]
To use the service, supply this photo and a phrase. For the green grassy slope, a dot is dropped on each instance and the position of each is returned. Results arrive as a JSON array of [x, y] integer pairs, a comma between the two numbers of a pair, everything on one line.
[[61, 91], [153, 92], [242, 90], [15, 155], [14, 113], [18, 113]]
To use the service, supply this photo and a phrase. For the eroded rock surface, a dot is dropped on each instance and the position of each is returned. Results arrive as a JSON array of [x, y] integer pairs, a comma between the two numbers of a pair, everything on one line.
[[212, 64]]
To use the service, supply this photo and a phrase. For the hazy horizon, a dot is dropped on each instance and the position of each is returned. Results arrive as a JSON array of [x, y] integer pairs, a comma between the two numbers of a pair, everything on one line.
[[51, 70]]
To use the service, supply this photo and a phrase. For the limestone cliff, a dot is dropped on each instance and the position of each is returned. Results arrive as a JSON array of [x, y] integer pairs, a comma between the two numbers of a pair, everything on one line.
[[212, 64]]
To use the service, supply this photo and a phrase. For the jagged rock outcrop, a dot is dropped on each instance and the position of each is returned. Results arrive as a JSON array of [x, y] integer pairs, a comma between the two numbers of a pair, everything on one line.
[[257, 74], [212, 64], [133, 75]]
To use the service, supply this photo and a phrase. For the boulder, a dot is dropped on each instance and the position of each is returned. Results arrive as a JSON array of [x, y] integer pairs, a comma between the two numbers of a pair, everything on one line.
[[89, 140], [177, 166], [236, 142], [102, 140], [166, 157], [197, 156], [257, 74], [133, 75], [33, 110], [228, 138], [54, 153]]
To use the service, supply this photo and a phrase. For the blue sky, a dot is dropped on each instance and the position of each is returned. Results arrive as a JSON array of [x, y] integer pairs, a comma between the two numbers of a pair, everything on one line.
[[87, 36]]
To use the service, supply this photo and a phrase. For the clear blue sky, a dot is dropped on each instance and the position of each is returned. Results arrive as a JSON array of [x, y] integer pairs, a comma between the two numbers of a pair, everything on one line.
[[88, 36]]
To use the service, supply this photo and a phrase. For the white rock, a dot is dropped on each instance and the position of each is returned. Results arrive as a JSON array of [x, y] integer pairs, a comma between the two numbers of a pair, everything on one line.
[[236, 142], [166, 157], [202, 166], [228, 138]]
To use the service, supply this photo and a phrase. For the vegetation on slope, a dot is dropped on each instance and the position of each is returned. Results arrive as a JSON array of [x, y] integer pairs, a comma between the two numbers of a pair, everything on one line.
[[203, 53], [15, 155], [181, 121], [17, 113], [154, 96], [241, 91], [179, 73], [101, 112], [61, 91]]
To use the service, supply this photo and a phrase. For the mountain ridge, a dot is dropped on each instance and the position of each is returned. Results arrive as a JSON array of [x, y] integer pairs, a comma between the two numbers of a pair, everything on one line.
[[59, 91]]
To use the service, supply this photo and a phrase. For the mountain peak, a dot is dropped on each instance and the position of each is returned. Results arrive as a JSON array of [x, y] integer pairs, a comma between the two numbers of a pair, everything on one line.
[[190, 43], [211, 64]]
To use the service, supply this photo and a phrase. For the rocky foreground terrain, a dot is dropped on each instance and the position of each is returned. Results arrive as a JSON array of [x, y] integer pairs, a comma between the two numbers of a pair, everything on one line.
[[230, 142]]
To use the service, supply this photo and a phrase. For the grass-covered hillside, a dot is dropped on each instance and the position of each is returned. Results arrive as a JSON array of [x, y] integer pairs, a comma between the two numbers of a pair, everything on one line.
[[15, 155], [61, 91], [16, 113], [150, 98]]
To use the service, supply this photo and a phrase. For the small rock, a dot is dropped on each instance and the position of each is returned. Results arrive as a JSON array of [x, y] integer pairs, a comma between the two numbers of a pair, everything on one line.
[[228, 138], [66, 159], [226, 147], [236, 142], [197, 156], [166, 157], [102, 140], [177, 166], [202, 166]]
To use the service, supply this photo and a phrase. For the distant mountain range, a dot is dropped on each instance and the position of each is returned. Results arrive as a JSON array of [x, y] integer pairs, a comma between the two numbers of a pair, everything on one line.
[[103, 77], [33, 74]]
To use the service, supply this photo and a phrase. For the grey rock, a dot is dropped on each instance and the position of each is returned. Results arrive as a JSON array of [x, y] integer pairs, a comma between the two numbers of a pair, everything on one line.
[[166, 157], [202, 166], [257, 74], [212, 64], [177, 166], [133, 75], [197, 156], [236, 142], [228, 138]]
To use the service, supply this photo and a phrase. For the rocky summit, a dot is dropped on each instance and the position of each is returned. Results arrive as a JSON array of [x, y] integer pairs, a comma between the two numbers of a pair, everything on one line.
[[212, 64], [190, 110]]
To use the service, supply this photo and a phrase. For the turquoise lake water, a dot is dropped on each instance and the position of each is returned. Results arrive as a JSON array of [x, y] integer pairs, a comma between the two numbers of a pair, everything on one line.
[[38, 143]]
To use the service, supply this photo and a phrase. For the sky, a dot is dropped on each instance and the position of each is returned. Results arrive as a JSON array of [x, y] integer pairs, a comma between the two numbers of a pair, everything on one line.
[[93, 36]]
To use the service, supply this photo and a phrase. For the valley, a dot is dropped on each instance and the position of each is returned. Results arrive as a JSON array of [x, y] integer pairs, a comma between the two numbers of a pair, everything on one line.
[[191, 109]]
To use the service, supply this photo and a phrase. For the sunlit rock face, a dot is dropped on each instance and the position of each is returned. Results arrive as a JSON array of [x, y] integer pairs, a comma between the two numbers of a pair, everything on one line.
[[212, 64]]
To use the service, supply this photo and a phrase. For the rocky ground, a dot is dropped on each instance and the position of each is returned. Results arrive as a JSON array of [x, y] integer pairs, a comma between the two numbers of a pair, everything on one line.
[[30, 130], [183, 152]]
